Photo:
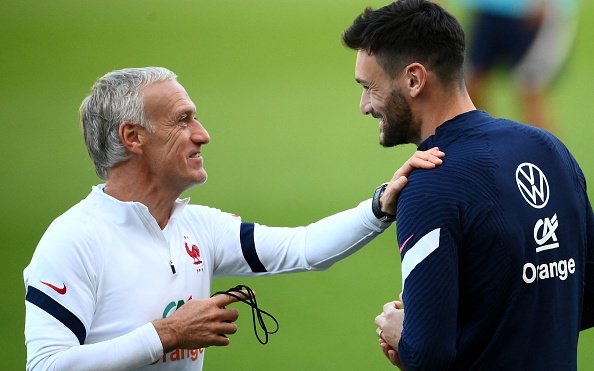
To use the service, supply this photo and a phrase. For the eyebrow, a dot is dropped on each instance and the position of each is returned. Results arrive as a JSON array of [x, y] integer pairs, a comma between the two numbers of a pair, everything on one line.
[[187, 110]]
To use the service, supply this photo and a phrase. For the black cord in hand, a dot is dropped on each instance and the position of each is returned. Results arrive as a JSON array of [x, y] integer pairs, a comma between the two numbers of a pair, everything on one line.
[[246, 295]]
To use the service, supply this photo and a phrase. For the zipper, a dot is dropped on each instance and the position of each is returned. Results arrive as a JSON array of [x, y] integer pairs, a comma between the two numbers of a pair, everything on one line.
[[155, 231]]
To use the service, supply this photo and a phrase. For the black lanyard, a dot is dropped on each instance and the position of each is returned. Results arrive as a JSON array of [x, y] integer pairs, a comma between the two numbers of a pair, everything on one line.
[[246, 295]]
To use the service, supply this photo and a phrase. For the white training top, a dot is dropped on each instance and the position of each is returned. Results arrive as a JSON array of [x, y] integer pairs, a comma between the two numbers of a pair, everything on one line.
[[104, 270]]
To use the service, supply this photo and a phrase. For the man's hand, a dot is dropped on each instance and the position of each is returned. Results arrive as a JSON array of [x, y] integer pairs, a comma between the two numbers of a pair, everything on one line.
[[199, 323], [428, 159], [390, 329]]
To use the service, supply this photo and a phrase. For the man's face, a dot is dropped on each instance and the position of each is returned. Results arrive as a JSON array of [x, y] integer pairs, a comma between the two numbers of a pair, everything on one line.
[[383, 99], [172, 151]]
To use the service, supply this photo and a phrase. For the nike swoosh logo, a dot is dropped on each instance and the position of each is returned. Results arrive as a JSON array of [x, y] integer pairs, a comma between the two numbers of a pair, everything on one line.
[[408, 239], [59, 290]]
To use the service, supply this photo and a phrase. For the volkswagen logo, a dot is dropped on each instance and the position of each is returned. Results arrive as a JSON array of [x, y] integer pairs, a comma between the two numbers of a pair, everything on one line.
[[533, 185]]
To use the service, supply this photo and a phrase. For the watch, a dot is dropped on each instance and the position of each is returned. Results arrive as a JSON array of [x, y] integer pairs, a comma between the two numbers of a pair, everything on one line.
[[376, 207]]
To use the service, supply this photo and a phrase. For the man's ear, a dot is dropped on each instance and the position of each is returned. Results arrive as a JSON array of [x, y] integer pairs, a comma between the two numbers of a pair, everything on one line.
[[416, 77], [131, 136]]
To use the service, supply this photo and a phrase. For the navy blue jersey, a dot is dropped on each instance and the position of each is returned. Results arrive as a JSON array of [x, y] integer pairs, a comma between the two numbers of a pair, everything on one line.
[[497, 248]]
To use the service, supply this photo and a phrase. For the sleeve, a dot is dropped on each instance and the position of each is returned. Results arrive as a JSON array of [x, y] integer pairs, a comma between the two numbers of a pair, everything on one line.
[[588, 305], [50, 346], [250, 248], [60, 282], [429, 236], [430, 296]]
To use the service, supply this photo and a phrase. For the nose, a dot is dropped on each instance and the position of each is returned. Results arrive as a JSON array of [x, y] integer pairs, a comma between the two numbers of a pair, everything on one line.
[[199, 133], [365, 104]]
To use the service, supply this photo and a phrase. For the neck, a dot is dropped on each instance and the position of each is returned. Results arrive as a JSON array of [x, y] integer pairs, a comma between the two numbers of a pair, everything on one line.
[[443, 105], [124, 184]]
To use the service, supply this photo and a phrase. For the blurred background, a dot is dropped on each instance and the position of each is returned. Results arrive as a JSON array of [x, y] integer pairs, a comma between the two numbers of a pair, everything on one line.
[[275, 89]]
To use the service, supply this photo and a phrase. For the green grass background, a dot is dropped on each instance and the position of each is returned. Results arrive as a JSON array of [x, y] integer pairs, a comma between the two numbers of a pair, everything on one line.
[[275, 88]]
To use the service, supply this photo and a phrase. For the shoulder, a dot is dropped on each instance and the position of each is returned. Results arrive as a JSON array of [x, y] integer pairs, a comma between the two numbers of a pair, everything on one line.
[[205, 212], [208, 217], [70, 237]]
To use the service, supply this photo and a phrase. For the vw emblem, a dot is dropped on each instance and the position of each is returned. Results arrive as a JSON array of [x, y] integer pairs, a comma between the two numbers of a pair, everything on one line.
[[533, 185]]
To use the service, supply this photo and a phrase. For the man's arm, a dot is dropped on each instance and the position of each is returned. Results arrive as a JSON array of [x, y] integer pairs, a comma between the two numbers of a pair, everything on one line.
[[55, 332], [272, 250], [322, 252], [51, 346]]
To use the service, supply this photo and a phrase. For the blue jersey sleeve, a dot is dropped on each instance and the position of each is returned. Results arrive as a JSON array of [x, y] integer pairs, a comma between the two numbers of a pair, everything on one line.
[[429, 235]]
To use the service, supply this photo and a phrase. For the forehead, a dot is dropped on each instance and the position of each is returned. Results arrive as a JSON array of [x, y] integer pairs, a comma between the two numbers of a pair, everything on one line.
[[367, 68], [166, 96]]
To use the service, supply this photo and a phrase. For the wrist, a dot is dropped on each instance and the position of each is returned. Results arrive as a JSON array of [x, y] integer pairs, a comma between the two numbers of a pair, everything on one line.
[[376, 206], [166, 334]]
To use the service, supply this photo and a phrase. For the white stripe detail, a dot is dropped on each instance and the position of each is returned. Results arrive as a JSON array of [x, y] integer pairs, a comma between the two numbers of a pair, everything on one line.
[[418, 252]]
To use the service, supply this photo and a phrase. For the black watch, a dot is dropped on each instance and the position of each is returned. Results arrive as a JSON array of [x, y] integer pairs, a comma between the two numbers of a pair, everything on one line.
[[377, 209]]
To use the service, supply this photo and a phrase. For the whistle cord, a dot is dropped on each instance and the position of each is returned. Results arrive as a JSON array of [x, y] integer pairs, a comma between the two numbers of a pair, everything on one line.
[[247, 296]]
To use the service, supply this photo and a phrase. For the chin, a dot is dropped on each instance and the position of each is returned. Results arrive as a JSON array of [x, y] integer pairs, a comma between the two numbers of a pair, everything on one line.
[[202, 178], [196, 180]]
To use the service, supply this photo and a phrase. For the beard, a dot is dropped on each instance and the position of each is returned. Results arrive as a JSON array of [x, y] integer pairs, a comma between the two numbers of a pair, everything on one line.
[[398, 124]]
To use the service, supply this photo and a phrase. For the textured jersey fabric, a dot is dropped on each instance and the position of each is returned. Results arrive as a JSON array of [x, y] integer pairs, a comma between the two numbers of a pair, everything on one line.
[[496, 244], [104, 270]]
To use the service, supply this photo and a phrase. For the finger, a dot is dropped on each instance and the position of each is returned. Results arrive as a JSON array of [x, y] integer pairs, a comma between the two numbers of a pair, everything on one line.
[[391, 306], [427, 161], [223, 330], [229, 315], [221, 341], [385, 348], [379, 332], [436, 152], [380, 320], [393, 356], [395, 187], [223, 300], [226, 328], [432, 154], [244, 294]]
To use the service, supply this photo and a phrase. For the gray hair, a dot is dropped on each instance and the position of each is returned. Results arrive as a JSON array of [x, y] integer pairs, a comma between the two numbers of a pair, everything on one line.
[[115, 98]]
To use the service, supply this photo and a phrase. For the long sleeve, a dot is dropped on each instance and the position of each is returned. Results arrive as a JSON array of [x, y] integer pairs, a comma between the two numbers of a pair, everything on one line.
[[250, 248], [52, 346]]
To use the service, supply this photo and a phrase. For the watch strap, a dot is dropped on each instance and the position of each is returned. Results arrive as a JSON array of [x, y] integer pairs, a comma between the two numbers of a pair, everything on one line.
[[376, 207]]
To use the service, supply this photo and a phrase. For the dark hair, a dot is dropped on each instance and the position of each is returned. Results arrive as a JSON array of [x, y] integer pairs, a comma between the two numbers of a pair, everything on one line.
[[408, 31]]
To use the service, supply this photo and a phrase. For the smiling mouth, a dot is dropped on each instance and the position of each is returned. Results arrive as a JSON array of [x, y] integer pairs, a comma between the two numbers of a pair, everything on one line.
[[378, 117]]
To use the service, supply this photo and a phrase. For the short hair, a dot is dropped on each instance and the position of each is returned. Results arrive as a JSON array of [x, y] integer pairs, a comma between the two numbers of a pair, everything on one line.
[[408, 31], [115, 98]]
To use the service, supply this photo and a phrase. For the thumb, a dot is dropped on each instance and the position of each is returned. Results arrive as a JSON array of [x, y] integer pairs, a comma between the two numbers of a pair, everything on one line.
[[398, 184]]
